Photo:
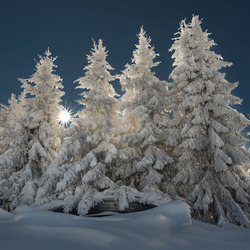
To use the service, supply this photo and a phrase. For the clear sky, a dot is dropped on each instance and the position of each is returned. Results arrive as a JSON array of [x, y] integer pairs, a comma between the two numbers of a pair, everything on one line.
[[28, 27]]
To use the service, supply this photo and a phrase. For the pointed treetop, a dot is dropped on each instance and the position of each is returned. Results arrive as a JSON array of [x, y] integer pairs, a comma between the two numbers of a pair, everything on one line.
[[100, 44], [193, 41], [142, 35], [46, 58], [97, 76], [95, 45], [195, 26], [98, 49], [47, 52], [98, 54], [143, 55], [196, 21], [44, 85]]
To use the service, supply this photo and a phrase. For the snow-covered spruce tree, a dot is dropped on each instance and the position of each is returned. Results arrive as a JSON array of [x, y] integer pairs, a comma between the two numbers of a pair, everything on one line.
[[212, 164], [40, 139], [80, 184], [9, 114], [13, 142], [11, 164], [140, 135]]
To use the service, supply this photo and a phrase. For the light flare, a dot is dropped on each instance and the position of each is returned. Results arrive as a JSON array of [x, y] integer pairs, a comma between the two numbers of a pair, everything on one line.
[[64, 117]]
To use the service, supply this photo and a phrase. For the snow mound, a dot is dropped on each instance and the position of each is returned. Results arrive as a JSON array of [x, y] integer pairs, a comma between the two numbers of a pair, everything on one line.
[[4, 214], [165, 227]]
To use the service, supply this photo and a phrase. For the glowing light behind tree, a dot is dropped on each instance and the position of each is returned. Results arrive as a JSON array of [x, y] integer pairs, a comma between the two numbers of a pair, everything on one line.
[[65, 117]]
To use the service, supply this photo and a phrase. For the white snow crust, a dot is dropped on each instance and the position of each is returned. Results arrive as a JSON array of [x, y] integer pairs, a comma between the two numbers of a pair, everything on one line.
[[166, 227]]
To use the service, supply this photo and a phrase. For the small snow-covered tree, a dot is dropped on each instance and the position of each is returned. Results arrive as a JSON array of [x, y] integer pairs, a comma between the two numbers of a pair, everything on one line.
[[40, 139], [13, 141], [80, 182], [212, 164], [9, 114], [140, 135]]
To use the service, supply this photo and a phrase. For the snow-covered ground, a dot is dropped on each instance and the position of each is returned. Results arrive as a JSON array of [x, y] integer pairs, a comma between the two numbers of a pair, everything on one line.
[[165, 227]]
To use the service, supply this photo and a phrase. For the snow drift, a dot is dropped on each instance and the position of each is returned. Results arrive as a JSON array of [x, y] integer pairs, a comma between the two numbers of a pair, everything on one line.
[[166, 227]]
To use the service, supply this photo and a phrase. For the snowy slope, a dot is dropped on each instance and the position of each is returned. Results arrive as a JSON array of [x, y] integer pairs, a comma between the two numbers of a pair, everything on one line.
[[165, 227]]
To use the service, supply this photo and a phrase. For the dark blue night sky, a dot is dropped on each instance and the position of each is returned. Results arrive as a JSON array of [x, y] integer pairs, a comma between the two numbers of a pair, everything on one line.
[[28, 27]]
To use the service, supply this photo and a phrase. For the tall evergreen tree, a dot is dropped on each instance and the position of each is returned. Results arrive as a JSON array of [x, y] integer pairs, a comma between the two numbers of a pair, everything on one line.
[[78, 182], [213, 163], [40, 139], [139, 137]]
